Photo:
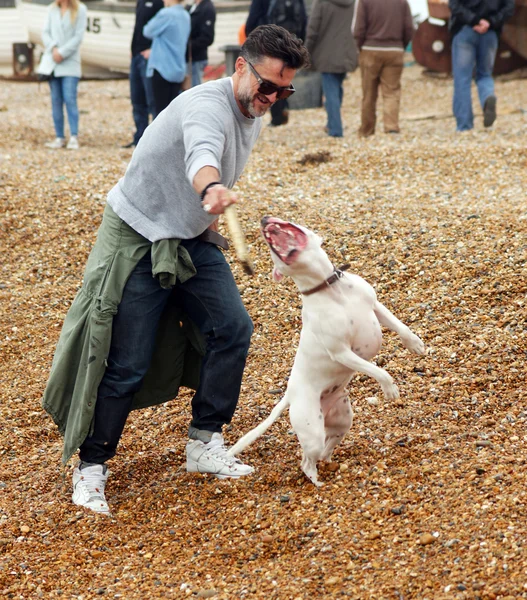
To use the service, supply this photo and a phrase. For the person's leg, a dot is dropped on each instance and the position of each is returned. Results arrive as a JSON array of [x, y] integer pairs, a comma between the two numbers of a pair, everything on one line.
[[370, 77], [134, 332], [138, 97], [163, 92], [212, 300], [198, 66], [391, 90], [57, 110], [69, 91], [147, 85], [485, 56], [277, 113], [332, 89], [463, 62]]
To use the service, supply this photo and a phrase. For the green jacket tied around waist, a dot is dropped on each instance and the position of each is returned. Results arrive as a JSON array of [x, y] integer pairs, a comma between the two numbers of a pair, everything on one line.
[[80, 358]]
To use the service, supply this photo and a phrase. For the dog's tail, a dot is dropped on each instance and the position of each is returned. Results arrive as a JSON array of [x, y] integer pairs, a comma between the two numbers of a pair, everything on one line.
[[255, 433]]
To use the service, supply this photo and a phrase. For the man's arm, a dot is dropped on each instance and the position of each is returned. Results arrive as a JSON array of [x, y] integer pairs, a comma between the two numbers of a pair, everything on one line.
[[257, 12], [217, 197], [506, 11], [408, 33], [313, 26], [462, 13], [358, 24]]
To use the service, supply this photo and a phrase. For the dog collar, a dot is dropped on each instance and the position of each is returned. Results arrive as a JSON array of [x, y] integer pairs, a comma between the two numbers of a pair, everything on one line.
[[337, 274]]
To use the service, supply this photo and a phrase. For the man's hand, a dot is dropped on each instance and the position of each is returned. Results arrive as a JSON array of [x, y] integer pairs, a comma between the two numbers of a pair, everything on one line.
[[57, 56], [217, 198], [146, 54], [482, 27]]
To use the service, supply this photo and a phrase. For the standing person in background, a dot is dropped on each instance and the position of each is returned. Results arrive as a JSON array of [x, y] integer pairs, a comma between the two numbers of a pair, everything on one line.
[[169, 30], [333, 53], [141, 94], [289, 14], [202, 23], [476, 26], [382, 30], [61, 61]]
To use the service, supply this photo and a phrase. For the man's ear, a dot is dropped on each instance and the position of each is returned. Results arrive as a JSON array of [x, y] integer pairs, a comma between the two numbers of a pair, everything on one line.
[[240, 66]]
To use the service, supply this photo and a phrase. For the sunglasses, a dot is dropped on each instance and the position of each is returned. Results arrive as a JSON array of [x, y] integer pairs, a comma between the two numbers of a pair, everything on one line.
[[267, 88]]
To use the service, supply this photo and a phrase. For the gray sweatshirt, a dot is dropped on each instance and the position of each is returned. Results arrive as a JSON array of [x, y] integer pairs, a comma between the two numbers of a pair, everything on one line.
[[201, 127]]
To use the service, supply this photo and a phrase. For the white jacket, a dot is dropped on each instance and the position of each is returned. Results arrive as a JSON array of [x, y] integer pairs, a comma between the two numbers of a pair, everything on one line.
[[60, 32]]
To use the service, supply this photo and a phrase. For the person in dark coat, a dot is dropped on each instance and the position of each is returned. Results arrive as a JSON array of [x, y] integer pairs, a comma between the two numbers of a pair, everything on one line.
[[258, 15], [333, 53], [202, 23], [141, 93], [475, 26]]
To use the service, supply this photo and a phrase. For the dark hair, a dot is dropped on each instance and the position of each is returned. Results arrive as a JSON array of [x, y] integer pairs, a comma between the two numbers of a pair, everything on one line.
[[275, 42]]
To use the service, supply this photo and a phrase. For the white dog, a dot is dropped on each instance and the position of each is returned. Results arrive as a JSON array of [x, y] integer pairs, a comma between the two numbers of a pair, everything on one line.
[[341, 333]]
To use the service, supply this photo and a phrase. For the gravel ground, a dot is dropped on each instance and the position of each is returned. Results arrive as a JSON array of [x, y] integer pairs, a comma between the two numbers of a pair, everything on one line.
[[426, 497]]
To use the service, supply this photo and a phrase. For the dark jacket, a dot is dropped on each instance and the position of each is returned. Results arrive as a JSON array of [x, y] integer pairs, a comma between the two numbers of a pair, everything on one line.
[[258, 16], [328, 37], [470, 12], [384, 24], [144, 11], [202, 22]]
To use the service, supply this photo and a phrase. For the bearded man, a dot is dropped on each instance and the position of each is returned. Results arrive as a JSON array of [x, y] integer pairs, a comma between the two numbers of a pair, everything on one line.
[[157, 247]]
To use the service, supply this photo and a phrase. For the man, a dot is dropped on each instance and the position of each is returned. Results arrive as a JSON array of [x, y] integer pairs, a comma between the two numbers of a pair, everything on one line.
[[290, 14], [202, 19], [155, 229], [333, 53], [382, 30], [475, 26], [141, 94]]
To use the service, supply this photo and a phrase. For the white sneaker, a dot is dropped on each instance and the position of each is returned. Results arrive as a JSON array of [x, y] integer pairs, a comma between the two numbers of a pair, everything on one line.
[[213, 458], [88, 488], [73, 143], [55, 144]]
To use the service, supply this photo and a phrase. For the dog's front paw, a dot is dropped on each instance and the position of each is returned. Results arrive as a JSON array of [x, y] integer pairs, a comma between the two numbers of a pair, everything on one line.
[[390, 391], [414, 344]]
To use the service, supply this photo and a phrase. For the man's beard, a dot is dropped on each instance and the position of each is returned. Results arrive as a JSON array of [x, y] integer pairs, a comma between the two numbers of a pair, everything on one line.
[[246, 99]]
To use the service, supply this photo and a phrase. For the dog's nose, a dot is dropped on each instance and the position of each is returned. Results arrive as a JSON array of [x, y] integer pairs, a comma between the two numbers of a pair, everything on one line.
[[264, 221]]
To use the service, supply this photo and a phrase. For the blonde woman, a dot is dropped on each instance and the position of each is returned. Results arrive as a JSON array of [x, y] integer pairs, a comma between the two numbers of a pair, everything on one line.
[[61, 62]]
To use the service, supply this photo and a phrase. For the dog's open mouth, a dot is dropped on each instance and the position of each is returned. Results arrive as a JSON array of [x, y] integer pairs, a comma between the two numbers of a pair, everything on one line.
[[285, 239]]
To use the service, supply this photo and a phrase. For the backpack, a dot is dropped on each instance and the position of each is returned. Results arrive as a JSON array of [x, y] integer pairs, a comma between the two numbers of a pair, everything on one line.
[[289, 14]]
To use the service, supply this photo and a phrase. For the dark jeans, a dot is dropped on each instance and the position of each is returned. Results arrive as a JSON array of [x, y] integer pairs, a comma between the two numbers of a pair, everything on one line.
[[277, 112], [212, 300], [141, 95], [164, 92]]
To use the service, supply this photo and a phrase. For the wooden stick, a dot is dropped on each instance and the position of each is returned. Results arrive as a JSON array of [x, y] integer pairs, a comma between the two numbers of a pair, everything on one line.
[[238, 239]]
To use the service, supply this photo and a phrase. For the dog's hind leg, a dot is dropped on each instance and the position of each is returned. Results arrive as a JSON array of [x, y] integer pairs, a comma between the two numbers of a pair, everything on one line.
[[337, 423], [308, 423]]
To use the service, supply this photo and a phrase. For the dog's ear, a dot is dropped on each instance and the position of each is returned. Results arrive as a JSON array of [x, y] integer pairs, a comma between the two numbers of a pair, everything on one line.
[[277, 276]]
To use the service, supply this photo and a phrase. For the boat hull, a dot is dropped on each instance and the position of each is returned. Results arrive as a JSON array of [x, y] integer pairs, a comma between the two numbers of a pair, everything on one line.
[[106, 43]]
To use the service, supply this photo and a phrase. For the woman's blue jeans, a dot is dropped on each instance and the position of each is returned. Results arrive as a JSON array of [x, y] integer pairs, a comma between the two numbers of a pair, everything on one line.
[[333, 92], [64, 92], [212, 300], [473, 55]]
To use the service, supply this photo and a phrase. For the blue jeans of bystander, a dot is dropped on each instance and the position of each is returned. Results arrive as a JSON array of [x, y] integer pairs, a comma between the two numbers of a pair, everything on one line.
[[141, 95], [333, 92], [198, 66], [212, 301], [473, 55], [64, 92]]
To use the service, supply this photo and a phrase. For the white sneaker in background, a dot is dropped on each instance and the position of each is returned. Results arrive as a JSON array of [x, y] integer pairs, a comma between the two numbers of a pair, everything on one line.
[[73, 143], [88, 487], [213, 458], [55, 144]]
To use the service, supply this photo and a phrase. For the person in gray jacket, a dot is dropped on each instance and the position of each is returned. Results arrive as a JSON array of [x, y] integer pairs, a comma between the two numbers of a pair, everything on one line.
[[199, 145], [382, 29], [333, 53]]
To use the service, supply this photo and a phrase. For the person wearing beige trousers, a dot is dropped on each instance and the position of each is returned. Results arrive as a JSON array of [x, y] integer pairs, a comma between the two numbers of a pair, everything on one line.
[[382, 30]]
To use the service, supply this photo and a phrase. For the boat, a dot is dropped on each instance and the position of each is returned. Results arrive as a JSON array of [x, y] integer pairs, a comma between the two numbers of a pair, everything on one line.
[[12, 30], [431, 43], [106, 43]]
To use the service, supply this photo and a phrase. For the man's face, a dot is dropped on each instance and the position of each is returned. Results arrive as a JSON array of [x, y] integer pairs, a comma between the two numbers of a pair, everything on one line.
[[252, 102]]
